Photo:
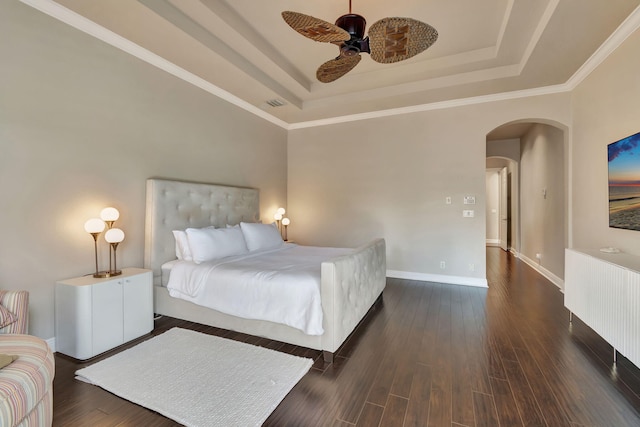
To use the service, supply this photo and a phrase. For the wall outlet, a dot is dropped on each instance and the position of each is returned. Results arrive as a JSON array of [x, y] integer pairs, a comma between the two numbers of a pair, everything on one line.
[[538, 256], [469, 200], [468, 213], [443, 265], [472, 267]]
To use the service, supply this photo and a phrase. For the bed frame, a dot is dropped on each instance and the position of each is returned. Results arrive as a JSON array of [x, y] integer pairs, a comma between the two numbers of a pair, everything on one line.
[[350, 285]]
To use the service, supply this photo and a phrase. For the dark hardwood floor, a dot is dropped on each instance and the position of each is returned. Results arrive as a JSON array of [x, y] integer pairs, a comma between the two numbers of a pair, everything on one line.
[[430, 355]]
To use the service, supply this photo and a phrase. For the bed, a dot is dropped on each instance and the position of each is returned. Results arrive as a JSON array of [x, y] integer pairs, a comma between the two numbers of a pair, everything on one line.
[[350, 284]]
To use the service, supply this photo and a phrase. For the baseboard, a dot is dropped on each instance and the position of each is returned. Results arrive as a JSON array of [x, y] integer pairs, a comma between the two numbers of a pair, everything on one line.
[[438, 278], [546, 273], [51, 342], [492, 242]]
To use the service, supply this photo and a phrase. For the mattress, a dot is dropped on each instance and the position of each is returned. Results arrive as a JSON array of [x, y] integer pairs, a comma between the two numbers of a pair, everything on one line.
[[281, 285]]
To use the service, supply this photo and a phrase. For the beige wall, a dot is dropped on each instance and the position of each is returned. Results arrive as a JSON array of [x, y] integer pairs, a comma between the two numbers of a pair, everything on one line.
[[605, 109], [82, 126], [542, 198], [507, 148], [390, 176]]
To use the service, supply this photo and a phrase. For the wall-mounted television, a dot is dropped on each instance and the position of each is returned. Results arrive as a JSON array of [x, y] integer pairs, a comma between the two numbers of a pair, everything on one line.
[[624, 183]]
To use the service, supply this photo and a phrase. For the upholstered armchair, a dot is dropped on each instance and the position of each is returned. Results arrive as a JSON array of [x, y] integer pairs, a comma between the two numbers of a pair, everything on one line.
[[27, 368], [14, 312]]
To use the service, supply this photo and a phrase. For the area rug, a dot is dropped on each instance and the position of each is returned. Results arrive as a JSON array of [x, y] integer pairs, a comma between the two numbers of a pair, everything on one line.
[[200, 380]]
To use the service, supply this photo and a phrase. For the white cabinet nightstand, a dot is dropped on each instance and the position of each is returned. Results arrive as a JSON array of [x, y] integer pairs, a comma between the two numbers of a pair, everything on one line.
[[95, 315]]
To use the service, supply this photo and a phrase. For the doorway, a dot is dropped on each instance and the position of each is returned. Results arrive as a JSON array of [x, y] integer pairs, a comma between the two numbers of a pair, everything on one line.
[[499, 184], [534, 188]]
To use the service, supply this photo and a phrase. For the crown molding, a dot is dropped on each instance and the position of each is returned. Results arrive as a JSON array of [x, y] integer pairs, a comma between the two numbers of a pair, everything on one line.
[[461, 102], [537, 34], [61, 13], [87, 26], [628, 27]]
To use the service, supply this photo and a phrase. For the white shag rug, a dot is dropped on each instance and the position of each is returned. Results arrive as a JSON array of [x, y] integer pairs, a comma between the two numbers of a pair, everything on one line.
[[200, 380]]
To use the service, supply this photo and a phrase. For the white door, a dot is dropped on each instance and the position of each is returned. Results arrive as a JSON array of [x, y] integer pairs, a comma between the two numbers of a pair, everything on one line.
[[504, 213]]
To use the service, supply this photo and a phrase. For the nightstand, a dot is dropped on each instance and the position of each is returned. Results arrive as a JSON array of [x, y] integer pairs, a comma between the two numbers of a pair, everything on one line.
[[94, 315]]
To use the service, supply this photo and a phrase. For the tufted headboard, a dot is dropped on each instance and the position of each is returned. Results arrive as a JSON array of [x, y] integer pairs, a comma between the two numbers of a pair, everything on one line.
[[177, 205]]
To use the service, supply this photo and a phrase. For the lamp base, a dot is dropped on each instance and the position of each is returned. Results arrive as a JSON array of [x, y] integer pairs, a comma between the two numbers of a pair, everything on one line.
[[107, 273]]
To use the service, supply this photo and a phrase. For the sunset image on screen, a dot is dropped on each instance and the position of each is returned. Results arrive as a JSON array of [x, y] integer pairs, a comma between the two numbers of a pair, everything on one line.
[[624, 183]]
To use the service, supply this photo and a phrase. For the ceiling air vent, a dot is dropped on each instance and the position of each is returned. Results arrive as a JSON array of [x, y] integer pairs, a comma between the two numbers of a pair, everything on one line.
[[276, 103]]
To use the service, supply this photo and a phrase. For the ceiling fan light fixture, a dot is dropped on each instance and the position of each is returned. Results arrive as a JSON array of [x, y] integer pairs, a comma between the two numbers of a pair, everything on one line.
[[349, 50]]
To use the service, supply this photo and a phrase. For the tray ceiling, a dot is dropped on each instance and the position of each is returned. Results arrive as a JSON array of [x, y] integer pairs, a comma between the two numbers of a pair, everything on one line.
[[244, 48]]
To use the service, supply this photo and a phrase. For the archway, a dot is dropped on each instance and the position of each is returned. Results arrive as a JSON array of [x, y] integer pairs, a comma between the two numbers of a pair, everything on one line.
[[534, 153]]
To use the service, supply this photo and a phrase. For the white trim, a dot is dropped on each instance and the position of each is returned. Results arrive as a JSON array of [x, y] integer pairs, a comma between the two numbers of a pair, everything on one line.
[[85, 25], [373, 95], [461, 102], [75, 20], [628, 26], [493, 242], [503, 27], [438, 278], [51, 342], [543, 271], [537, 34]]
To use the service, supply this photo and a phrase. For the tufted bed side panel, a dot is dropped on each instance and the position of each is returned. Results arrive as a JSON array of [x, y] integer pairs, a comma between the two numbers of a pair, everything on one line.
[[350, 285], [175, 205]]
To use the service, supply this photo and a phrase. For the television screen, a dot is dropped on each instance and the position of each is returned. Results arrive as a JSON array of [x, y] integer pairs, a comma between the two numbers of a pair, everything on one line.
[[624, 183]]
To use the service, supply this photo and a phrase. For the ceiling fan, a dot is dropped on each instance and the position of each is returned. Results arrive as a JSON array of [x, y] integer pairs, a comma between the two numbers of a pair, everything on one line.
[[389, 40]]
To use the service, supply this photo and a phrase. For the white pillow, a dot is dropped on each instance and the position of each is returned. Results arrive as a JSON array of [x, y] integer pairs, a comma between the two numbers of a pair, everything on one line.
[[208, 244], [183, 252], [261, 236]]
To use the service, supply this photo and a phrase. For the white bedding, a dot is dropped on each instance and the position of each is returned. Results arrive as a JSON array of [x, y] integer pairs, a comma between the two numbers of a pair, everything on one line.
[[281, 285]]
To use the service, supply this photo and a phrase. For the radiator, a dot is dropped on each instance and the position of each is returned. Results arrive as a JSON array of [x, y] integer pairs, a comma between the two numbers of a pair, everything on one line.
[[603, 290]]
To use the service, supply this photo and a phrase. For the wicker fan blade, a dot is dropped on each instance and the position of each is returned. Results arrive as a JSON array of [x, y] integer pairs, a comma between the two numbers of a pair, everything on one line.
[[336, 68], [314, 28], [397, 39]]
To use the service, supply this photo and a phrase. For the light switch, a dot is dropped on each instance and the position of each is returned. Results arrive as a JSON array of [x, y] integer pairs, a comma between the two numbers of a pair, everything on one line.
[[469, 200]]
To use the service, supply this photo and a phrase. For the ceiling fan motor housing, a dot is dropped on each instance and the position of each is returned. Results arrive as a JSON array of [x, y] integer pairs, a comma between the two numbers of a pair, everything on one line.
[[355, 26], [352, 24]]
